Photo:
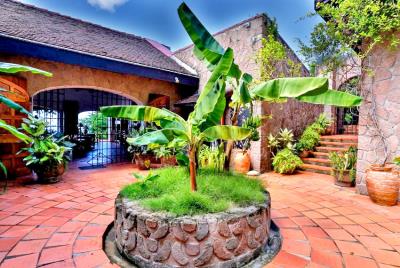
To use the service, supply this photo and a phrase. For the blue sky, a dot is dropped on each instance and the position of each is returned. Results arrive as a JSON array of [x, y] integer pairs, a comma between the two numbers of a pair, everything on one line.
[[158, 19]]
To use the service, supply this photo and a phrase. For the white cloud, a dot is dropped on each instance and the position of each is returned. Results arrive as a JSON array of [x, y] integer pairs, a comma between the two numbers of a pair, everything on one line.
[[108, 5]]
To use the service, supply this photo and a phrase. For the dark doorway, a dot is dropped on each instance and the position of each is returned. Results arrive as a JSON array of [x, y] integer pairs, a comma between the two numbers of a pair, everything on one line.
[[347, 118], [75, 113]]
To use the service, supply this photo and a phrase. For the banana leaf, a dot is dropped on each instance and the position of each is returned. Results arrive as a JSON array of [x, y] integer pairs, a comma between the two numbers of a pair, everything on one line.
[[15, 132], [306, 89], [162, 136], [225, 132], [162, 117], [3, 168], [206, 48], [210, 102], [12, 104], [12, 68]]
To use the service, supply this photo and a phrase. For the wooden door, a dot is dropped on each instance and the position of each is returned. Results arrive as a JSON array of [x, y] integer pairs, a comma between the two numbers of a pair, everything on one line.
[[9, 145]]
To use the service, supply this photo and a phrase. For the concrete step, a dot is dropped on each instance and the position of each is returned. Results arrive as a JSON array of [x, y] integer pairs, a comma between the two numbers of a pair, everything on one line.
[[340, 138], [324, 149], [316, 169], [337, 144], [317, 161]]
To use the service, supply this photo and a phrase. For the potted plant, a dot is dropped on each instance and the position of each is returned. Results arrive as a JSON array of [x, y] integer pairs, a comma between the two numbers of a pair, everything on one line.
[[141, 155], [167, 153], [323, 124], [344, 167], [241, 159], [286, 161], [212, 157], [308, 140], [383, 183], [47, 156]]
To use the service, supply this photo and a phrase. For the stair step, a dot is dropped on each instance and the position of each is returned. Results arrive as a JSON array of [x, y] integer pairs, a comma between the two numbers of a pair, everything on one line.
[[338, 144], [317, 161], [340, 138], [316, 168], [320, 155], [329, 149]]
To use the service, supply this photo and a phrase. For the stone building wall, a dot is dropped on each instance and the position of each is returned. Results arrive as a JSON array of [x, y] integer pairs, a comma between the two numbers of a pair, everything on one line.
[[380, 111], [245, 39], [74, 76]]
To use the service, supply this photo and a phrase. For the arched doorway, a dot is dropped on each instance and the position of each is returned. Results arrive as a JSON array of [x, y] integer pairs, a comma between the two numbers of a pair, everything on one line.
[[74, 112], [347, 118]]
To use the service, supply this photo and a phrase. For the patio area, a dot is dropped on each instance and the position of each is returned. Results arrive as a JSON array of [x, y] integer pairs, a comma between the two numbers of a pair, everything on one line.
[[61, 225]]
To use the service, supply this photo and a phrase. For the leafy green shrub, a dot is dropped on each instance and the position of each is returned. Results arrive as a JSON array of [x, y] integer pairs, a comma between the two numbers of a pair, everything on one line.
[[212, 157], [309, 139], [344, 161], [286, 162], [284, 139], [167, 190]]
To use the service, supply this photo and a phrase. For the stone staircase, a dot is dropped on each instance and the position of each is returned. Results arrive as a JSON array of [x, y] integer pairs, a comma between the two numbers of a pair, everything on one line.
[[318, 161]]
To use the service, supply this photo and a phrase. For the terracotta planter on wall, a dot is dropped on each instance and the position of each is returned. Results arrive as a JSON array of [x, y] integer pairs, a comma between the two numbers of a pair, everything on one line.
[[168, 161], [383, 185]]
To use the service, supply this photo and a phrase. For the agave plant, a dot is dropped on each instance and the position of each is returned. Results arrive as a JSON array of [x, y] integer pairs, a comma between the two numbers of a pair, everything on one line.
[[202, 124]]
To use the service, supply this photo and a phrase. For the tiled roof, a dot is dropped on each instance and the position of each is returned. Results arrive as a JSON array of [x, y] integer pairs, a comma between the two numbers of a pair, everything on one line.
[[43, 26]]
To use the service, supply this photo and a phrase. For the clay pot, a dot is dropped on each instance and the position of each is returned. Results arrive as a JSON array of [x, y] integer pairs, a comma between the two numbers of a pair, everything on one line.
[[143, 161], [304, 154], [168, 161], [383, 185], [50, 174], [344, 179], [242, 162]]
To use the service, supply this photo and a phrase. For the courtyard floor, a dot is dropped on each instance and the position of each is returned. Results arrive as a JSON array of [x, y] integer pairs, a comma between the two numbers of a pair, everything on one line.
[[61, 225]]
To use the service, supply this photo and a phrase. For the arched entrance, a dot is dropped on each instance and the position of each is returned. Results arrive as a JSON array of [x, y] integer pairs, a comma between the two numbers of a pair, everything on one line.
[[347, 118], [74, 112]]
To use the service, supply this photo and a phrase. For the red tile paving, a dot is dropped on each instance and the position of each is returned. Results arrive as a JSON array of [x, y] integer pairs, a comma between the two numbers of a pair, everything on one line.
[[323, 225]]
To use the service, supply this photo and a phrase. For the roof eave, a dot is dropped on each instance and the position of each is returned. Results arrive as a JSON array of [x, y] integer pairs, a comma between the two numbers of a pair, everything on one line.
[[19, 46]]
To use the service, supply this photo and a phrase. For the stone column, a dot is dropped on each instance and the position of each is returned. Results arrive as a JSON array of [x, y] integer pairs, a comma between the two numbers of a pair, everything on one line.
[[380, 112]]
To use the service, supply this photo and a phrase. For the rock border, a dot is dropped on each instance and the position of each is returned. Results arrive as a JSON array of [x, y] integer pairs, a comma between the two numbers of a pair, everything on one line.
[[229, 239]]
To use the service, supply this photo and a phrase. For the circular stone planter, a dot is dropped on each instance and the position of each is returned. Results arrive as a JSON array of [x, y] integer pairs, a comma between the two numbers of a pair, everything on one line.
[[230, 239]]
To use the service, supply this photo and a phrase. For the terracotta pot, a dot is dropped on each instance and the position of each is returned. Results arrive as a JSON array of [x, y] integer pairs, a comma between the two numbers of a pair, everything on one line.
[[242, 162], [50, 174], [168, 161], [304, 154], [344, 179], [143, 161], [383, 185]]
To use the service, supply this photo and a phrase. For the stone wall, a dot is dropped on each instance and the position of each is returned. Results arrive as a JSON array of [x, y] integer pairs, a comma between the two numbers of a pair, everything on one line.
[[380, 111], [245, 39], [74, 76]]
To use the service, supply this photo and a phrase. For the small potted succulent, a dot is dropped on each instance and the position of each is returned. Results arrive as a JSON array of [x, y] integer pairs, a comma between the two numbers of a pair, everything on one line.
[[47, 156], [344, 167]]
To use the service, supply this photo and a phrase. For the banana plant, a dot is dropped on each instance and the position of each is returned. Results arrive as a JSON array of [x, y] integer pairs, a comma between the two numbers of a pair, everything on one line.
[[202, 124], [306, 89], [311, 90]]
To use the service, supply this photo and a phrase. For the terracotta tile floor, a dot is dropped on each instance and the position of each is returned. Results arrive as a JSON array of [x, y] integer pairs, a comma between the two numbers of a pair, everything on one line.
[[61, 225]]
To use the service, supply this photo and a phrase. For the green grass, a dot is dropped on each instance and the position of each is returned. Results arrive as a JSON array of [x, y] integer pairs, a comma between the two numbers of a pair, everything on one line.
[[170, 192]]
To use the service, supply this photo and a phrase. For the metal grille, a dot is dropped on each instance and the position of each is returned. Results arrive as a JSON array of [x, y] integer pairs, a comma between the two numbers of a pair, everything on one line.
[[107, 140]]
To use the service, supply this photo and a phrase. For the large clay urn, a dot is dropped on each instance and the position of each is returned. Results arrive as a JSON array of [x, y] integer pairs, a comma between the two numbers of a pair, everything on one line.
[[241, 162], [383, 185]]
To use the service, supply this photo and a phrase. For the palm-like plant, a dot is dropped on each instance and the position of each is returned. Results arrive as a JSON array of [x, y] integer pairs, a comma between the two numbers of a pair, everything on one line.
[[202, 124], [305, 89]]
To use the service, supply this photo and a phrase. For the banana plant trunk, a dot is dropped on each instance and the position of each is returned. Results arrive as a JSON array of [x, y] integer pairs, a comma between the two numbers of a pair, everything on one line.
[[229, 144], [192, 168]]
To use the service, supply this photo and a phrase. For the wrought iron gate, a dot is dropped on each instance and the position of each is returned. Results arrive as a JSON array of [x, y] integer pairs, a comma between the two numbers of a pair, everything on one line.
[[99, 140]]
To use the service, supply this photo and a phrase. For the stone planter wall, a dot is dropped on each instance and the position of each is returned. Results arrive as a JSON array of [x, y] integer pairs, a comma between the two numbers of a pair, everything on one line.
[[215, 240], [382, 98]]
